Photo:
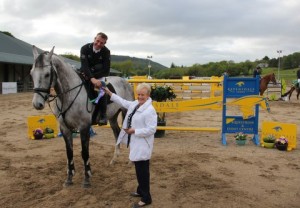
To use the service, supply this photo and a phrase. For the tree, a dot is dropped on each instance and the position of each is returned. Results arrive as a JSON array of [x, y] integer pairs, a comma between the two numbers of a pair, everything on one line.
[[173, 65], [71, 56], [7, 33], [266, 58], [273, 62], [125, 67]]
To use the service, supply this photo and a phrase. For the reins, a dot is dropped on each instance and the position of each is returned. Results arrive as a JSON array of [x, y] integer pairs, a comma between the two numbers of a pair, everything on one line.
[[63, 113]]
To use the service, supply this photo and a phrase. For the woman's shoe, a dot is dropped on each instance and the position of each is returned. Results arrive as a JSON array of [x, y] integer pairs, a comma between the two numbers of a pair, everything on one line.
[[135, 194], [140, 204]]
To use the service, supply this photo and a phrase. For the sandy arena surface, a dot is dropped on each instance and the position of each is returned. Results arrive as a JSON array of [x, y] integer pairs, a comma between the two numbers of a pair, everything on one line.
[[188, 169]]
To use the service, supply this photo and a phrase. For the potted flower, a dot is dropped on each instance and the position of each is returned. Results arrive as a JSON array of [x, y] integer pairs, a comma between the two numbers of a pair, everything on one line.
[[281, 143], [269, 141], [161, 94], [48, 133], [38, 133], [240, 138]]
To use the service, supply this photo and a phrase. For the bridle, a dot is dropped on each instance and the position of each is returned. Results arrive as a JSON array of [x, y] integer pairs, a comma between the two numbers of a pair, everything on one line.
[[48, 95], [39, 91]]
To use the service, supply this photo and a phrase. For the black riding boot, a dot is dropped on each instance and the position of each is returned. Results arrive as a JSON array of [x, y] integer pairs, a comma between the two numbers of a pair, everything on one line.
[[95, 115], [102, 104]]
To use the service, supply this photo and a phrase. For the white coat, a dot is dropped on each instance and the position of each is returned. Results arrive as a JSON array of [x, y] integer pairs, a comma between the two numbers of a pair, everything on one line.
[[144, 121]]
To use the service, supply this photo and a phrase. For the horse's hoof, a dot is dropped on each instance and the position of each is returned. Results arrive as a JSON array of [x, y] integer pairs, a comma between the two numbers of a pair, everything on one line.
[[68, 183], [86, 185]]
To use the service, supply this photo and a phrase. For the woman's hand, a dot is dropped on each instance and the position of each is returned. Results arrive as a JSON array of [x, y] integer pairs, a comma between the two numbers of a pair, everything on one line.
[[107, 91], [129, 131]]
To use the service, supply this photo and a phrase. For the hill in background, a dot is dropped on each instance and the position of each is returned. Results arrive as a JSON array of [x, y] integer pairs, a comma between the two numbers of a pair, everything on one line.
[[138, 63]]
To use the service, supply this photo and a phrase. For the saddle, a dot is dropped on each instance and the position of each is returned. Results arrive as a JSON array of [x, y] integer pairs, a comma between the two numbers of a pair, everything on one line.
[[89, 87]]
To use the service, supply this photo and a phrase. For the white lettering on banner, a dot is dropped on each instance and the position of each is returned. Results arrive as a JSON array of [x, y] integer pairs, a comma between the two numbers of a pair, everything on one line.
[[9, 87]]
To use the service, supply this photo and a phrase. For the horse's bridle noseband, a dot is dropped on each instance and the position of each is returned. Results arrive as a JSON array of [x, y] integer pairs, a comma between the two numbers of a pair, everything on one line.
[[44, 90]]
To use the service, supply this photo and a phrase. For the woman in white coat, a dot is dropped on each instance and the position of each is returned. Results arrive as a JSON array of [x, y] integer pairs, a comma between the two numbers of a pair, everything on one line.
[[138, 131]]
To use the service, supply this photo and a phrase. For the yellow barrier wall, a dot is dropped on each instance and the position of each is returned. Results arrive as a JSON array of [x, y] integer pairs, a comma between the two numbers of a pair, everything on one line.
[[214, 83], [34, 122], [278, 129]]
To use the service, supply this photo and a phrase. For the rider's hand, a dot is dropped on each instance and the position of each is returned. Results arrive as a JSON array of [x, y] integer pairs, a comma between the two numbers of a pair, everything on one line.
[[52, 91], [96, 82]]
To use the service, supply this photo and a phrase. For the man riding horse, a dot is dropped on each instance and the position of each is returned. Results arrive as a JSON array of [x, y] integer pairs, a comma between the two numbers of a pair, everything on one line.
[[95, 64], [257, 72]]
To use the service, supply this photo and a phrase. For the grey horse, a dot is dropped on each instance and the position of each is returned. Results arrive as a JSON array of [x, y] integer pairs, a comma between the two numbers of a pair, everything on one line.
[[72, 107]]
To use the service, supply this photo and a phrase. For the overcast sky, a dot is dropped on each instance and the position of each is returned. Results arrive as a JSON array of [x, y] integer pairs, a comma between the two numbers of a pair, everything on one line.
[[183, 32]]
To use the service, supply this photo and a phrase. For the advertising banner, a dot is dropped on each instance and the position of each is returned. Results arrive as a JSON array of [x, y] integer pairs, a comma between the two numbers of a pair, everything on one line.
[[9, 87]]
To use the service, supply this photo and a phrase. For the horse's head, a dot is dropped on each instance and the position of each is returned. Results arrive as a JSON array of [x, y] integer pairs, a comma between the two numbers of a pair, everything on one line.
[[43, 75], [273, 79]]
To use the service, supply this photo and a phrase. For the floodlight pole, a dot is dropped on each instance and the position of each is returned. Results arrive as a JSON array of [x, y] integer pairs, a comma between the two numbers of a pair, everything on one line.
[[149, 65], [279, 52]]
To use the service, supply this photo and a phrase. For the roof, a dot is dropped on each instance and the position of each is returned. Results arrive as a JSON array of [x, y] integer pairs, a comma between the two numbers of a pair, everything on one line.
[[16, 51]]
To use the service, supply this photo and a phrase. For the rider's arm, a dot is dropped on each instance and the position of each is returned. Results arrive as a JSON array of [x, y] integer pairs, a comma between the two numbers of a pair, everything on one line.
[[84, 61]]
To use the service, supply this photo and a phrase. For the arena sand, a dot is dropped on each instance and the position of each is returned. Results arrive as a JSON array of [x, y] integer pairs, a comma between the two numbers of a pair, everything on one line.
[[188, 169]]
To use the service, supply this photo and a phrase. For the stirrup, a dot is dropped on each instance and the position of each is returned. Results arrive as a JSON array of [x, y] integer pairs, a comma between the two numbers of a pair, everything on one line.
[[102, 122]]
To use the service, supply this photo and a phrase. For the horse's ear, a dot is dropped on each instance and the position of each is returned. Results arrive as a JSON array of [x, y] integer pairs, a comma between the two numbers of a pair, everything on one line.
[[51, 52], [35, 52]]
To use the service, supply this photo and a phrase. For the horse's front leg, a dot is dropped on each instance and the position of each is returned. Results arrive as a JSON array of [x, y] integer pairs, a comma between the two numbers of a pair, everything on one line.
[[85, 141], [69, 149]]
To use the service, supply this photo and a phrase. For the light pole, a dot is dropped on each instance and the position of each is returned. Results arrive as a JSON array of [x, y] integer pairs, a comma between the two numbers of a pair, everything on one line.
[[149, 65], [279, 52]]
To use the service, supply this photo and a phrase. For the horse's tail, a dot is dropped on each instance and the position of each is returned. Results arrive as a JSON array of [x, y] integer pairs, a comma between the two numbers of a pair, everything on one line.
[[124, 114], [289, 92], [285, 94]]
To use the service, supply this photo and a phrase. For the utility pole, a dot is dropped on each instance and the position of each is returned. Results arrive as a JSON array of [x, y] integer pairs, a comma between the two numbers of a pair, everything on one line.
[[149, 65], [279, 52]]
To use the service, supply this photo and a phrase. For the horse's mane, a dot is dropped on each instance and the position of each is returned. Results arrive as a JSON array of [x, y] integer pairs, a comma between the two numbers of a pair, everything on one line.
[[62, 66], [66, 73], [270, 74], [59, 60]]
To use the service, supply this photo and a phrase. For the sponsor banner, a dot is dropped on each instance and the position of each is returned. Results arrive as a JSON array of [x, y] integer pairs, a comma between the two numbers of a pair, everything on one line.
[[9, 87]]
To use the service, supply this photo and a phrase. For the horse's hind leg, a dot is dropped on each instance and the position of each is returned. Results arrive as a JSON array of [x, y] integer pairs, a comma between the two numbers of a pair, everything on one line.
[[116, 130], [85, 142], [288, 93], [67, 135], [291, 92], [116, 154]]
